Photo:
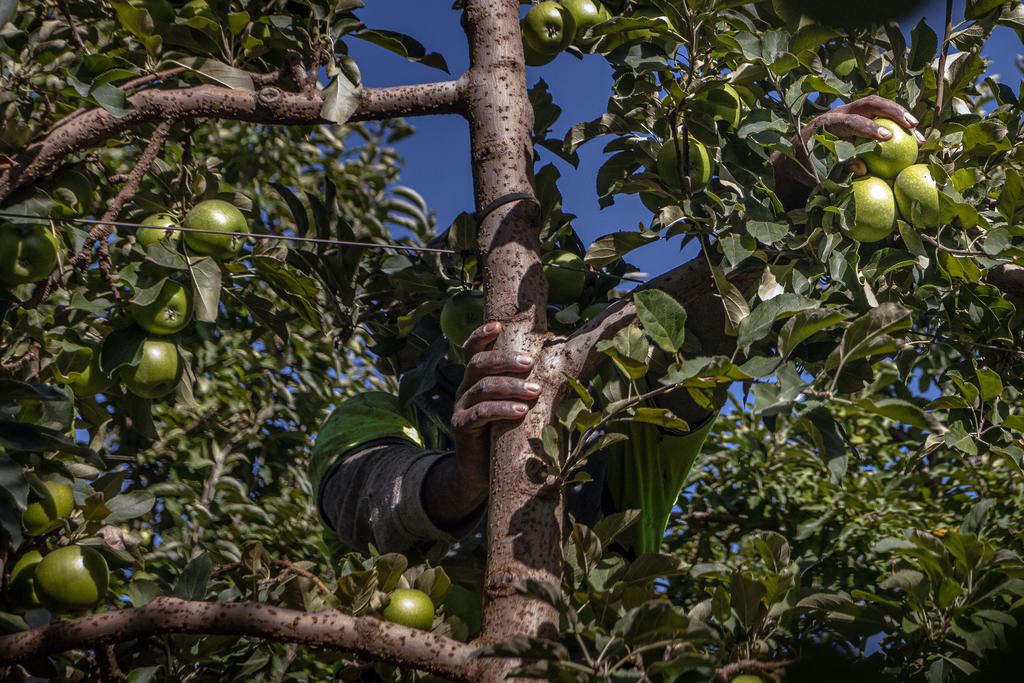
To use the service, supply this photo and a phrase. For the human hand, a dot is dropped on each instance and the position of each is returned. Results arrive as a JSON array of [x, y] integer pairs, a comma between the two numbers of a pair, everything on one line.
[[856, 119], [793, 181], [494, 388]]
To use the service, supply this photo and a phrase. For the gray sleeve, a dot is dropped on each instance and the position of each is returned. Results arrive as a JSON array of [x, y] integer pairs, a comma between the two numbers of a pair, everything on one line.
[[372, 495]]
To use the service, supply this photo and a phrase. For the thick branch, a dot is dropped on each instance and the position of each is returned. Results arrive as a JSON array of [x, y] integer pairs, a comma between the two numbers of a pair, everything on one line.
[[364, 636], [270, 105], [443, 97], [687, 283], [1007, 277]]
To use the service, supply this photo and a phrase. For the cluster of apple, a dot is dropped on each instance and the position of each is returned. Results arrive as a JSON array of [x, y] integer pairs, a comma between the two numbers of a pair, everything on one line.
[[549, 27], [67, 579], [912, 191], [160, 368]]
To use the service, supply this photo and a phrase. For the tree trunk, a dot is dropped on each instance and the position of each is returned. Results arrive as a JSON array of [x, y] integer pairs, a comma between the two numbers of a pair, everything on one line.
[[525, 509]]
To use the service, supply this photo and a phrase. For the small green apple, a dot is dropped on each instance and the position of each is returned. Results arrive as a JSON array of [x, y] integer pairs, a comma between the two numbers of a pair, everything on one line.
[[27, 253], [72, 578], [893, 155], [874, 210], [460, 315], [917, 196], [157, 373], [548, 27], [168, 313], [48, 512], [23, 580], [723, 103], [670, 167], [410, 607], [159, 221], [566, 274], [218, 217]]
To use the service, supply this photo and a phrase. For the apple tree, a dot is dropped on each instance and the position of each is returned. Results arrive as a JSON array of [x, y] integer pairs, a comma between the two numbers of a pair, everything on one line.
[[856, 509]]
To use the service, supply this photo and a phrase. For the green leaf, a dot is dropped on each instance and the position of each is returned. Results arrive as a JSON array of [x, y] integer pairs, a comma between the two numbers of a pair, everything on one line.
[[629, 349], [610, 248], [756, 325], [191, 584], [745, 595], [736, 308], [341, 99], [403, 46], [923, 45], [661, 417], [206, 287], [806, 324], [218, 72], [127, 506], [869, 335], [663, 318]]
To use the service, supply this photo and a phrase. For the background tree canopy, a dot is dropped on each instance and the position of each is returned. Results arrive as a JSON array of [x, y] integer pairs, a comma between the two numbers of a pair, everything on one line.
[[856, 509]]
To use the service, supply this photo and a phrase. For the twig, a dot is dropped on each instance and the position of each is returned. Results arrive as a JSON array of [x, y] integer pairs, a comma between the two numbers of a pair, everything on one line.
[[949, 250], [722, 673], [104, 230], [942, 63], [289, 657], [285, 563], [74, 29], [149, 78], [31, 356], [110, 672]]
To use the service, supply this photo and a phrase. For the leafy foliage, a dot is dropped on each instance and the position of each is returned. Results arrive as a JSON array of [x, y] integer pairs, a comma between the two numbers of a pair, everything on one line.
[[857, 509]]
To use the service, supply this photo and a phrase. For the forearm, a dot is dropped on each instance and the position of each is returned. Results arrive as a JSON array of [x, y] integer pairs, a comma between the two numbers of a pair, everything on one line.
[[452, 499], [374, 496]]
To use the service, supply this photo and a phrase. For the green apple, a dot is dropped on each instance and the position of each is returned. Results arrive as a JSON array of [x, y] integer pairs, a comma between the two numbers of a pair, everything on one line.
[[410, 607], [88, 381], [462, 314], [159, 221], [893, 155], [723, 103], [534, 58], [548, 27], [23, 580], [220, 217], [586, 13], [48, 512], [874, 210], [670, 167], [566, 274], [28, 253], [169, 312], [747, 678], [72, 578], [917, 196], [157, 373]]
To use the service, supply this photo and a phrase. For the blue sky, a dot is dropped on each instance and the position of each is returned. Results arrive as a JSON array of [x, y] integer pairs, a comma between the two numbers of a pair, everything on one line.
[[437, 157]]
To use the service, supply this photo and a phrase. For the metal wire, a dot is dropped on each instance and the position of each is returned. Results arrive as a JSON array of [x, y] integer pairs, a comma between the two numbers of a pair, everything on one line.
[[294, 238]]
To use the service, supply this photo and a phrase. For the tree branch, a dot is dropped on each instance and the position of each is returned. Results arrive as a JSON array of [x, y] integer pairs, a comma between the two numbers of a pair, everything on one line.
[[1007, 277], [942, 64], [368, 637], [686, 283], [269, 105], [103, 230]]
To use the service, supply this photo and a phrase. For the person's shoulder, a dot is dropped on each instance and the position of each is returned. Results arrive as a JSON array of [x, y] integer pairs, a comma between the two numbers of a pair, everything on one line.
[[367, 417]]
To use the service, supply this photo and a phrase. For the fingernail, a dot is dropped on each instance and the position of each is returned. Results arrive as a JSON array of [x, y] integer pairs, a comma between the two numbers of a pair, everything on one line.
[[909, 118], [918, 136], [524, 360], [884, 133], [532, 387], [520, 408], [492, 328]]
